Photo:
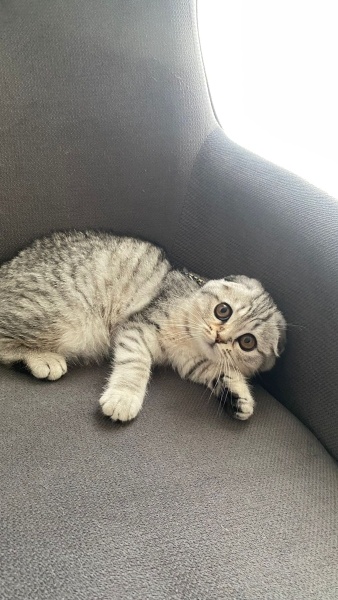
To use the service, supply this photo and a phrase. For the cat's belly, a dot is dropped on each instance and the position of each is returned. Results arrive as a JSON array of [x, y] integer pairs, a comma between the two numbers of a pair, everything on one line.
[[88, 340]]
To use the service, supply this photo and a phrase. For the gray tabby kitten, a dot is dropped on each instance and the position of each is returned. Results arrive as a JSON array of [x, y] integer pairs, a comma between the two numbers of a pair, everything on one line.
[[78, 296]]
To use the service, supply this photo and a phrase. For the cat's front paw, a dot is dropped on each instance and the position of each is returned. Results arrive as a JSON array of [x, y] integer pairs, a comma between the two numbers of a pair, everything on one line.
[[241, 408], [219, 385], [120, 405]]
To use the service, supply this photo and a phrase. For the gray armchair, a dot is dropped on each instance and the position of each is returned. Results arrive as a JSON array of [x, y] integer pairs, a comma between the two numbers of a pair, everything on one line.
[[106, 123]]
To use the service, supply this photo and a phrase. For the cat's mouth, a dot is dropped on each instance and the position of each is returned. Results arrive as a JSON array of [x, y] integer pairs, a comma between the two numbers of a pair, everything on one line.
[[214, 341], [213, 347]]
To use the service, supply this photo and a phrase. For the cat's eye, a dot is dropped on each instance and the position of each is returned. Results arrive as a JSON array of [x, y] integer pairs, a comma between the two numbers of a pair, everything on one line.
[[223, 311], [247, 342]]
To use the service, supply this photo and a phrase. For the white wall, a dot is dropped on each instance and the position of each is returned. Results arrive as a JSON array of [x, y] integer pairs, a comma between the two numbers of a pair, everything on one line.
[[272, 68]]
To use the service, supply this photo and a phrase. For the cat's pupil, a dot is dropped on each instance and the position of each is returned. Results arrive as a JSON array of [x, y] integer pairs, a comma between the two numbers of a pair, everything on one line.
[[223, 311], [247, 341]]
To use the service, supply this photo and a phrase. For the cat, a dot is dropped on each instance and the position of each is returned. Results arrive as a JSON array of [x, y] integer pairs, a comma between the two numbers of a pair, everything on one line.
[[84, 296]]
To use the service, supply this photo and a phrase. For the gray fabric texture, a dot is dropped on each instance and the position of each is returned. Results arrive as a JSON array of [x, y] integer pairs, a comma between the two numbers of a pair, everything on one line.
[[183, 503], [102, 112]]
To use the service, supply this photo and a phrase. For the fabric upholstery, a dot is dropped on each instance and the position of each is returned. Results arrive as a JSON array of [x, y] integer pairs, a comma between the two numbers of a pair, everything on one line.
[[182, 503], [103, 109]]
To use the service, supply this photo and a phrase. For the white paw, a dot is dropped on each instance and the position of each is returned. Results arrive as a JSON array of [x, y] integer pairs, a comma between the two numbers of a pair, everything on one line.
[[241, 408], [47, 365], [120, 405]]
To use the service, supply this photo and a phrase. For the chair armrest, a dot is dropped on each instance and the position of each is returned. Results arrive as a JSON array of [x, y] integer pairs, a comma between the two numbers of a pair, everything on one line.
[[244, 215]]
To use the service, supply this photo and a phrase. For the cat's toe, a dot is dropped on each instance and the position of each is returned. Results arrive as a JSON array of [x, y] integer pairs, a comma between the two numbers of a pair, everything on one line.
[[57, 367], [120, 407], [241, 408], [47, 366]]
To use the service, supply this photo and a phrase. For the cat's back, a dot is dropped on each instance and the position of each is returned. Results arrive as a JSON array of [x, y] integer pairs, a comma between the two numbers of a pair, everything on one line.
[[80, 279], [57, 251], [91, 262]]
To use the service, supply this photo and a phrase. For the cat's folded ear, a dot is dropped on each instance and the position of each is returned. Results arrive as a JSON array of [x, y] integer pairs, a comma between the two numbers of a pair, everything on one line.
[[232, 278], [281, 342], [249, 282]]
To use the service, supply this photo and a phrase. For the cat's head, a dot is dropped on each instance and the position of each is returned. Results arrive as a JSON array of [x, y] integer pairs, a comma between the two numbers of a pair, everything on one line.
[[236, 320]]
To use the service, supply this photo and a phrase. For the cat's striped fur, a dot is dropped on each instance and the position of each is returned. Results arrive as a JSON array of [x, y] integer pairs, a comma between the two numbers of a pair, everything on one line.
[[85, 296]]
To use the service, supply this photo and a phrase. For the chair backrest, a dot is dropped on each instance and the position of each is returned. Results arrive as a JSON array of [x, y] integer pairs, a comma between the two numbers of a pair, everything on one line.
[[103, 109]]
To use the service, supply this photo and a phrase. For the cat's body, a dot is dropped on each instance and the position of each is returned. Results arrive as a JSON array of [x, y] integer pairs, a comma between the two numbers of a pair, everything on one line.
[[86, 296]]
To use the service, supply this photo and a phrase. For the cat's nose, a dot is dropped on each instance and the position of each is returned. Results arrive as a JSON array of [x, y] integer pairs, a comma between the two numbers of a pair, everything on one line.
[[219, 340]]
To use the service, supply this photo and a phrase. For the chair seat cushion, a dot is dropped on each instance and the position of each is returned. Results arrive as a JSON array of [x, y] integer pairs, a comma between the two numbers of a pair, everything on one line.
[[184, 502]]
